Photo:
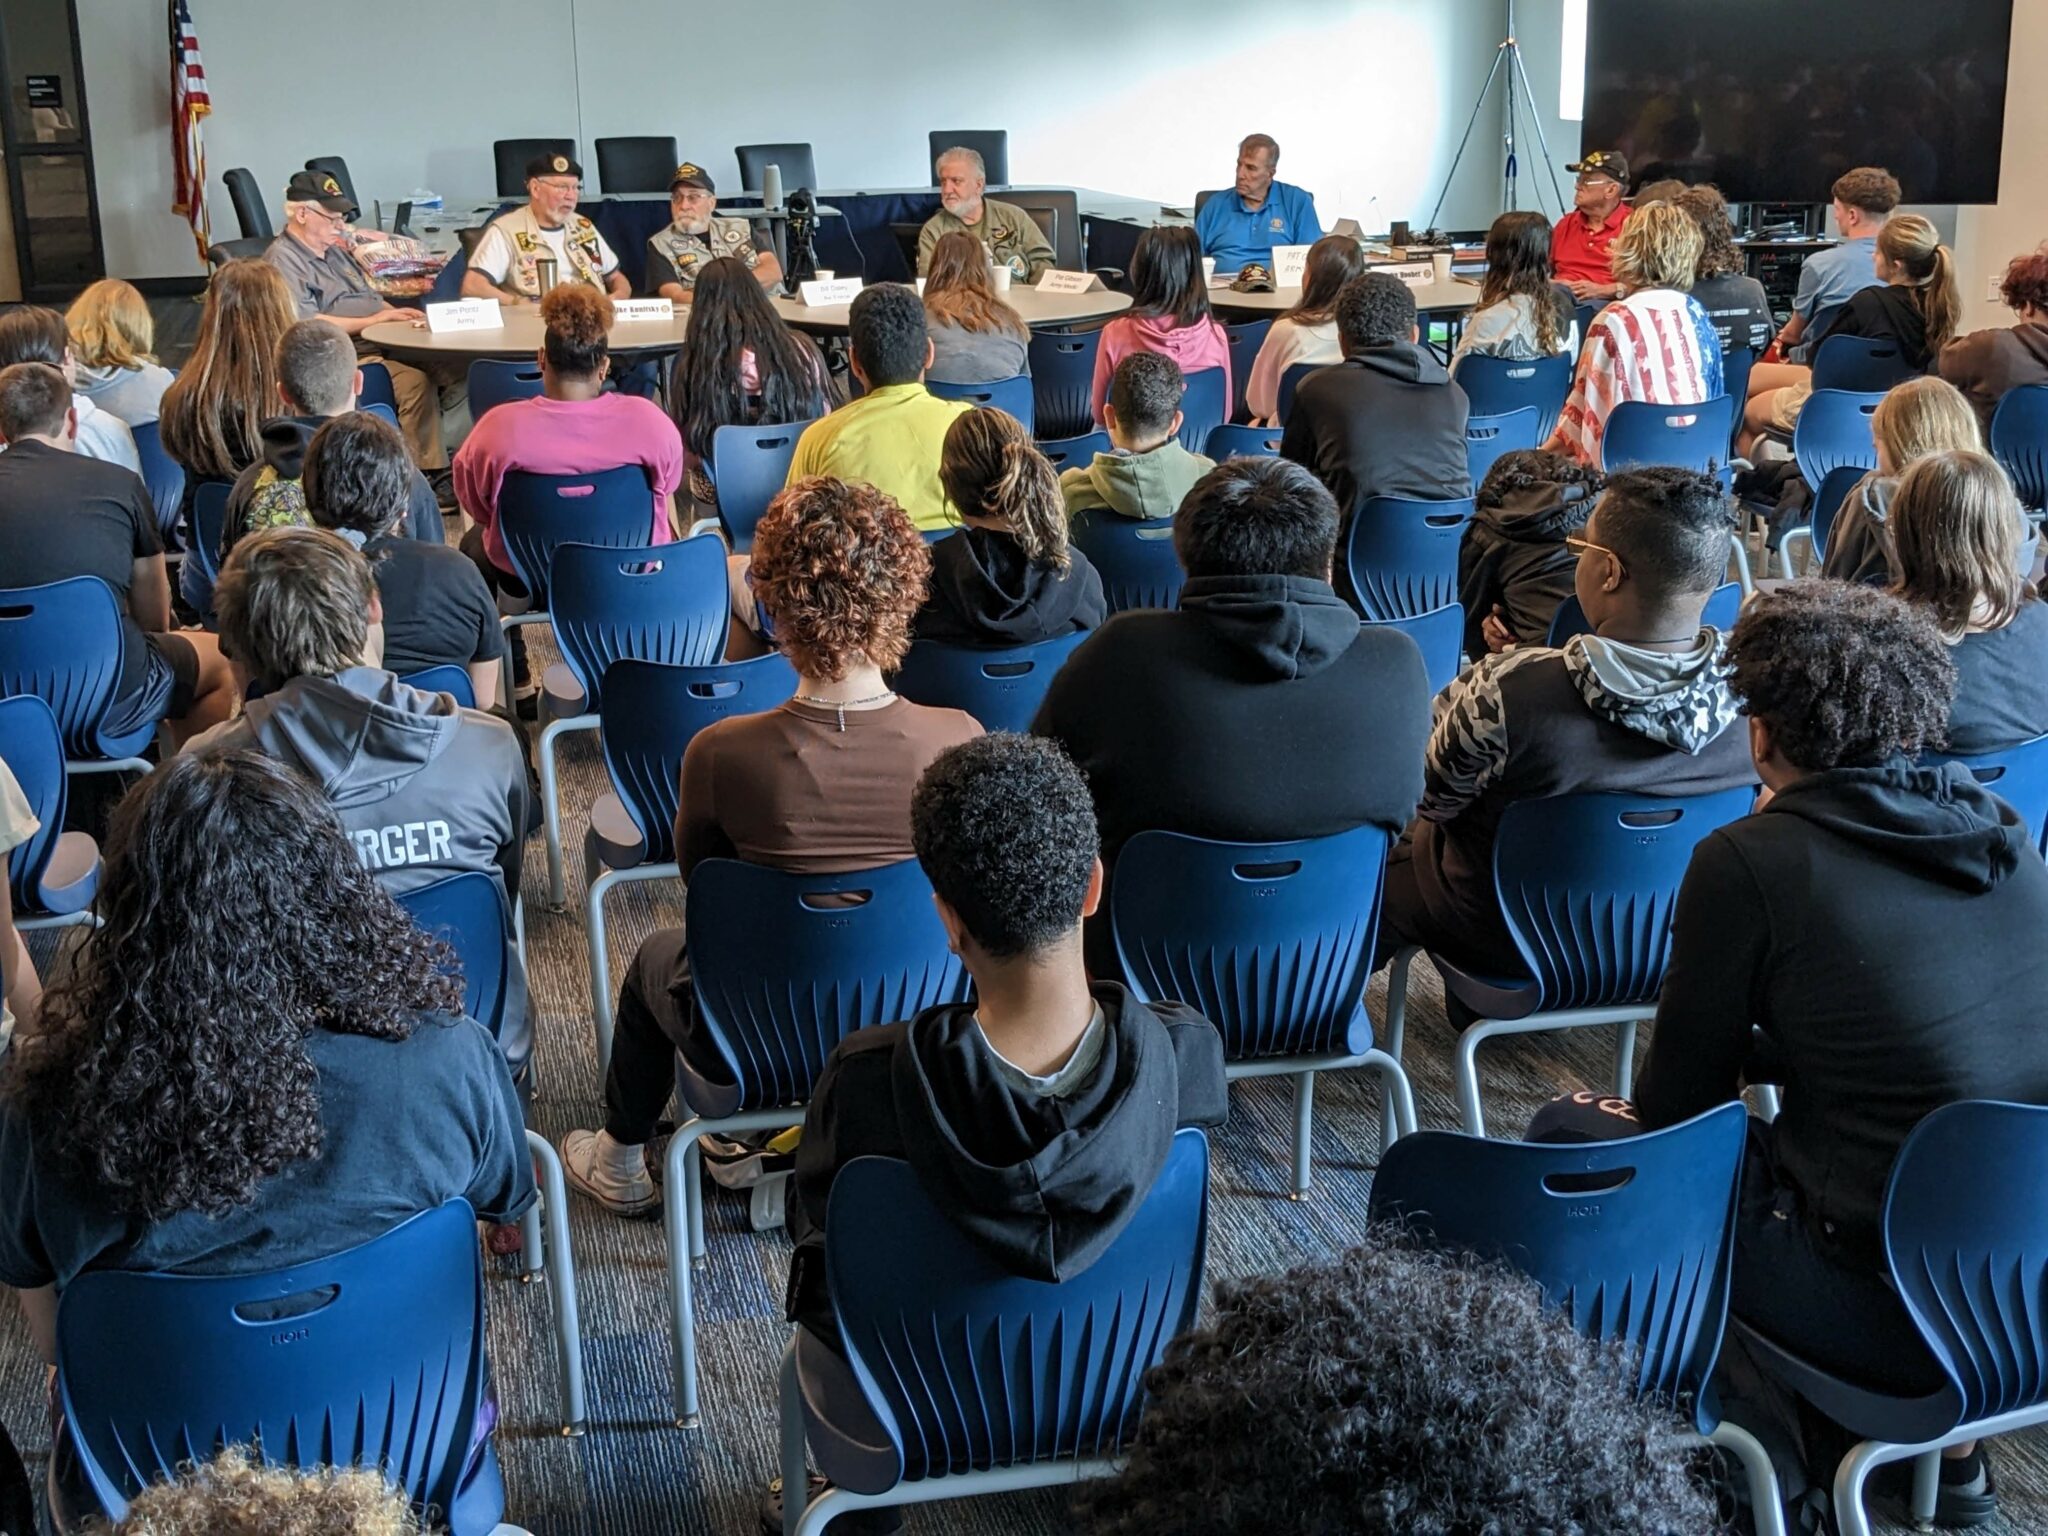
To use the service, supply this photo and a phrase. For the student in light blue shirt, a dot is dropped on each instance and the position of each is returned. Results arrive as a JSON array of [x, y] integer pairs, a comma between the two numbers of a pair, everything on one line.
[[1244, 224], [1863, 199]]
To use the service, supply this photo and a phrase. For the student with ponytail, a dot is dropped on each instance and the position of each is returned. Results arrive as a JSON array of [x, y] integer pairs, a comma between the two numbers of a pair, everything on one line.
[[1009, 577]]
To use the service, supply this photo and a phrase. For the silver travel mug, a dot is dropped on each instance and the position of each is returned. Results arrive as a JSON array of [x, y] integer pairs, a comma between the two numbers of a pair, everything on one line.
[[547, 272]]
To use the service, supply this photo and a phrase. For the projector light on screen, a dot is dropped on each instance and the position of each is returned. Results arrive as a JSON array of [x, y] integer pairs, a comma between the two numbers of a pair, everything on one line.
[[1571, 69]]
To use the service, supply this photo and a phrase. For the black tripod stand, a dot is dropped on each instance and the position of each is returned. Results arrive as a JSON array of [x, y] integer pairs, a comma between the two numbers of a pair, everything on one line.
[[1509, 53]]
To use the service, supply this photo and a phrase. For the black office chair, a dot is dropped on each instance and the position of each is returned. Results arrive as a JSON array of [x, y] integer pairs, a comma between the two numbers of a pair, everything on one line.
[[642, 164], [247, 249], [250, 211], [798, 167], [1058, 216], [992, 144], [1203, 197], [511, 155], [337, 167]]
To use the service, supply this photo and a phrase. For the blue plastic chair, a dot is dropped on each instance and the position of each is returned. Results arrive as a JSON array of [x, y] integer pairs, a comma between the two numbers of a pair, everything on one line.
[[1586, 883], [1272, 943], [1134, 558], [981, 1380], [1064, 453], [1736, 364], [784, 967], [202, 554], [667, 603], [1632, 1240], [2019, 441], [164, 476], [377, 389], [1488, 437], [1245, 341], [1063, 381], [1440, 636], [647, 715], [1402, 556], [1833, 430], [64, 642], [1688, 436], [1860, 364], [1724, 607], [54, 876], [750, 465], [1000, 688], [1290, 381], [447, 678], [1966, 1241], [1012, 395], [495, 382], [1827, 505], [1496, 386], [1230, 442], [387, 414], [2018, 775], [1202, 407], [377, 1359]]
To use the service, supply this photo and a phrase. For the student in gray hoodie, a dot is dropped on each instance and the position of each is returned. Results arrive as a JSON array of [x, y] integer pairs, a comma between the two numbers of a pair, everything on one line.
[[423, 787], [1148, 472]]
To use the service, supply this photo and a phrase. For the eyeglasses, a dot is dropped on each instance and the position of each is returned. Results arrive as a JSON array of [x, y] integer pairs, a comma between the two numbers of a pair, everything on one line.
[[331, 220], [559, 184], [1579, 546], [1596, 180]]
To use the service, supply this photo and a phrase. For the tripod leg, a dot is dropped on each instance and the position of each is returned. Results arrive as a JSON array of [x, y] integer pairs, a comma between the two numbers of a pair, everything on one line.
[[1535, 117], [1470, 123]]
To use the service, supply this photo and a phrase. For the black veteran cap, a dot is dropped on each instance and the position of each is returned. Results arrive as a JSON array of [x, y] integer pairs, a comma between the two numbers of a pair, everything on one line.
[[553, 165], [690, 174], [1602, 162], [318, 187]]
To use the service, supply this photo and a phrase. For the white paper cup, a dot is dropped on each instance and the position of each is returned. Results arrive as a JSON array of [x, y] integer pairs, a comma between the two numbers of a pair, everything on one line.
[[1441, 261], [1002, 279], [826, 274], [920, 287], [1208, 269]]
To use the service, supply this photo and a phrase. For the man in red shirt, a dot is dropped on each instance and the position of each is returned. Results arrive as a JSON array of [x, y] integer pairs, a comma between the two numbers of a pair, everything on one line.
[[1578, 245]]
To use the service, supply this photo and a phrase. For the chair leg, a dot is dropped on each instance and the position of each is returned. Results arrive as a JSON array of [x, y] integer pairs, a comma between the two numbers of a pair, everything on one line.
[[1465, 1078], [551, 812], [1397, 1021], [1851, 1519], [600, 971], [1624, 1058], [796, 1474], [1926, 1488], [682, 1306], [692, 1188], [532, 1245], [1766, 1500], [1304, 1128], [561, 1270]]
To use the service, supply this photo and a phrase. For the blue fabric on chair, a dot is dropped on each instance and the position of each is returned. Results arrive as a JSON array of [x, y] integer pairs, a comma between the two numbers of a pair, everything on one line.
[[386, 1354], [1134, 559], [448, 678], [1063, 381], [1076, 452], [48, 890], [164, 476], [1013, 395], [1688, 436], [1202, 407], [1402, 556], [1440, 636], [1234, 442], [2019, 441], [467, 912], [1000, 688], [1498, 385], [1860, 364], [1834, 429], [64, 643], [1245, 341], [2018, 775], [750, 465], [494, 381], [1488, 437]]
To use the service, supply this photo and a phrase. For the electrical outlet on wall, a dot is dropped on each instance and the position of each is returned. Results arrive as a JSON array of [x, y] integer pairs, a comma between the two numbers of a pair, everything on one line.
[[1991, 287]]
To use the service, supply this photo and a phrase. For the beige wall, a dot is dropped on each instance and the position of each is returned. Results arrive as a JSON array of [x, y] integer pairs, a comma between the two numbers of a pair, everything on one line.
[[1988, 237]]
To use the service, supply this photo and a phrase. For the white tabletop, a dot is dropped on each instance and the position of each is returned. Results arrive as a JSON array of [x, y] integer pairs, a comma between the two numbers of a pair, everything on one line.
[[1430, 298], [519, 336], [1033, 307]]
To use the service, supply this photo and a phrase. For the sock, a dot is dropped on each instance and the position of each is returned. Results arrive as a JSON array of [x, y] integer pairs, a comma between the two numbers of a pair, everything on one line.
[[623, 1163]]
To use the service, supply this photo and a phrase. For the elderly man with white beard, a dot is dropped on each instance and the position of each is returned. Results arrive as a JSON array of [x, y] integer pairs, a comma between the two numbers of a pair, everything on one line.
[[696, 235], [1009, 234]]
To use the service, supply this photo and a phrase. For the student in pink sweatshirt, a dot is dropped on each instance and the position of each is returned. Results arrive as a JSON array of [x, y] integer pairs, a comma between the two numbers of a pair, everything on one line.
[[1169, 313]]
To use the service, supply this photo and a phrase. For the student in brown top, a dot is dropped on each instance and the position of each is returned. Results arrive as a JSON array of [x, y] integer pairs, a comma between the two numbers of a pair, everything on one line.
[[820, 785]]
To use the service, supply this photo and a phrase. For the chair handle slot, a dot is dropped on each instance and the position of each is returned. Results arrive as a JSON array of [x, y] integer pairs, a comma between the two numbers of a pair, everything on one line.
[[1657, 818], [833, 901], [277, 1309], [1594, 1181], [1277, 869]]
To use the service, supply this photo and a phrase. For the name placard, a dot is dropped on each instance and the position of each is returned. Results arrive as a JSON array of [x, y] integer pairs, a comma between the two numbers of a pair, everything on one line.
[[643, 309], [1289, 261], [1416, 274], [465, 315], [835, 290], [1056, 281], [1349, 228]]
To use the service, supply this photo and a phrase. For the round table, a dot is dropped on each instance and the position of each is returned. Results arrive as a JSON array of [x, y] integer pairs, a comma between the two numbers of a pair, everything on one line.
[[1033, 307], [1430, 299], [520, 337]]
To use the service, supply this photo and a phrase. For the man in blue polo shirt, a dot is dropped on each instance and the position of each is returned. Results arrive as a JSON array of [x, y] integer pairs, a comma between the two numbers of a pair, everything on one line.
[[1244, 224]]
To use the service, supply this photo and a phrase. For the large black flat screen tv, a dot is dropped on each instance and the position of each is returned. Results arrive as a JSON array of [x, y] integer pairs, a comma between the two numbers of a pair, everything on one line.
[[1773, 99]]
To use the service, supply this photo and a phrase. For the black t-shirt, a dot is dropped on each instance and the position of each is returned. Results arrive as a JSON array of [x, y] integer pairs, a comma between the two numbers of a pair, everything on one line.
[[1888, 312], [1739, 309], [2001, 685], [63, 515], [437, 610]]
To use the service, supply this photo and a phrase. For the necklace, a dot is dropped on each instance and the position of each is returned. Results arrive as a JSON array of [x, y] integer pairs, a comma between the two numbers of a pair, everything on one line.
[[841, 706]]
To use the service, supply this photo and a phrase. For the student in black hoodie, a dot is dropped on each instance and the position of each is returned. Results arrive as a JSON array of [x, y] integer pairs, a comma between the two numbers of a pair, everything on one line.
[[1009, 577], [1387, 421], [1514, 568]]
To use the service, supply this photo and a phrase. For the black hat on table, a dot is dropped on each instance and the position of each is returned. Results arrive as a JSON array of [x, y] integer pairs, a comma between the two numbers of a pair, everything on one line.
[[318, 187], [690, 174], [553, 164]]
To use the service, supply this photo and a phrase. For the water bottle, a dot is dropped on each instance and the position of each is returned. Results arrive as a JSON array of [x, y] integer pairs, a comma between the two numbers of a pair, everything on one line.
[[545, 271], [771, 187]]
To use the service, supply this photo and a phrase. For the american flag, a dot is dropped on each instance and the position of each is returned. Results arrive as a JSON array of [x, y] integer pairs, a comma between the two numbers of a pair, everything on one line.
[[189, 104]]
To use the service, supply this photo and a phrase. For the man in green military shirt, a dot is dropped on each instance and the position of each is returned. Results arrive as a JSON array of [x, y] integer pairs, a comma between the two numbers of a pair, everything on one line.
[[1012, 237]]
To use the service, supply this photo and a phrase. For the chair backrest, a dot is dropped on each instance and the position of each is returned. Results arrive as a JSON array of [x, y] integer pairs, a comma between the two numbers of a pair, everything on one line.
[[1057, 213], [750, 465], [1834, 429], [1440, 636], [1000, 688], [1488, 437], [2018, 775], [33, 749], [1632, 1240], [246, 249], [1966, 1237], [377, 387], [647, 715], [1587, 883], [510, 157], [1202, 198], [641, 163], [2019, 441], [1271, 942], [1062, 381], [209, 522], [1202, 407], [992, 144], [446, 678], [1498, 385], [666, 603], [1736, 364], [1827, 503], [794, 162], [1723, 607], [1232, 442], [373, 1355], [1245, 341], [164, 476], [63, 643], [467, 912], [1074, 452], [251, 212], [1013, 395], [785, 966], [1403, 555], [538, 513], [1290, 381], [972, 1367], [1860, 364], [337, 167], [495, 381], [1134, 559], [1688, 436]]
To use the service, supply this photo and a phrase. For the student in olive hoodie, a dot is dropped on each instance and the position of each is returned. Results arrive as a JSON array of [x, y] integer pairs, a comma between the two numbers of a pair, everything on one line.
[[424, 788], [1639, 704], [1009, 577], [1514, 568], [1148, 471]]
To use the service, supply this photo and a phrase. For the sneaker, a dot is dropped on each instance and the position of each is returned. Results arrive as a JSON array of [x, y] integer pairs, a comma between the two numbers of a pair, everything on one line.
[[887, 1521], [591, 1170], [1965, 1498]]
